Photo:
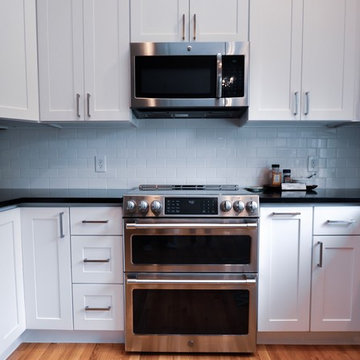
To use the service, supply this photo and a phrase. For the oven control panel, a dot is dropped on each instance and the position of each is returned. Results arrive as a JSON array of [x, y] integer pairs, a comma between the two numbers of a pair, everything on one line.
[[173, 206]]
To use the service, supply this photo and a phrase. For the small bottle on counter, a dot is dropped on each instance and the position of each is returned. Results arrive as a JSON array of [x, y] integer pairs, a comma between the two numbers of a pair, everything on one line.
[[275, 175], [287, 176]]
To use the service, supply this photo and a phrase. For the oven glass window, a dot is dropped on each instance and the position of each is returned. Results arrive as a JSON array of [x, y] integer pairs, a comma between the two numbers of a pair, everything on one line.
[[187, 249], [175, 76], [203, 312]]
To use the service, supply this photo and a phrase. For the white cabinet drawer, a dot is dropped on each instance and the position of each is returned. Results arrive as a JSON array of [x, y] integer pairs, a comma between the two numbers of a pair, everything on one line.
[[337, 220], [97, 259], [98, 307], [96, 220]]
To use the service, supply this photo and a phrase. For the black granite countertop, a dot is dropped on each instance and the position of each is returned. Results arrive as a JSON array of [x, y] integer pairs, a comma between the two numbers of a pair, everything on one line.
[[9, 197]]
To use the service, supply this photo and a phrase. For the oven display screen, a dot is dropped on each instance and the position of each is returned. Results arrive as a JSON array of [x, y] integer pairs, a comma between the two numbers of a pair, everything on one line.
[[191, 206]]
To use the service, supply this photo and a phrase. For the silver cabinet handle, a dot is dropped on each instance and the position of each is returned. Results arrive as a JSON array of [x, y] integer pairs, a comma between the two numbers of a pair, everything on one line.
[[61, 215], [88, 308], [95, 221], [183, 27], [286, 213], [190, 226], [96, 260], [78, 105], [184, 281], [320, 263], [307, 103], [88, 104], [218, 76], [296, 103], [194, 27], [340, 222]]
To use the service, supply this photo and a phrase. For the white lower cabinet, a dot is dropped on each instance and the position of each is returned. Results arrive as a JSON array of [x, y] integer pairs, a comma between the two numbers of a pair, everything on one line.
[[285, 268], [98, 307], [47, 268], [12, 308]]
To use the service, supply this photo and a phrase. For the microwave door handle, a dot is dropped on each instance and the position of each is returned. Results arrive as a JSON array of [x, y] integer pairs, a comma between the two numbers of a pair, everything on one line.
[[218, 76]]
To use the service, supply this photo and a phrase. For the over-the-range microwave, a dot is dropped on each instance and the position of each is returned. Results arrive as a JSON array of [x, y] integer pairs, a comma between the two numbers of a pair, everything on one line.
[[195, 80]]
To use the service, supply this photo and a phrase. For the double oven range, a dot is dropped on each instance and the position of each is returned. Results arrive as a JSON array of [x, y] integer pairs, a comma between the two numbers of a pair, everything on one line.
[[190, 269]]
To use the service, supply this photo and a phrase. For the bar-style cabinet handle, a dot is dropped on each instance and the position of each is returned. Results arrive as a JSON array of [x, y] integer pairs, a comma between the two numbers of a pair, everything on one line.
[[88, 308], [95, 221], [340, 222], [96, 260], [61, 215], [307, 103], [296, 103], [88, 104], [320, 263], [194, 27], [286, 213], [183, 27], [78, 105]]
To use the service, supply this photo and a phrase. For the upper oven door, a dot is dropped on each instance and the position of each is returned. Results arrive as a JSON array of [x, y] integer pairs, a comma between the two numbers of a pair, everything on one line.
[[188, 75], [191, 245]]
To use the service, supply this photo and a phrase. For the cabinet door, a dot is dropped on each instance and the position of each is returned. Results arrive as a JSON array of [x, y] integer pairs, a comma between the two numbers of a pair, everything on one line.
[[18, 60], [285, 269], [107, 60], [159, 20], [329, 53], [275, 61], [336, 284], [223, 20], [60, 41], [47, 268], [12, 308]]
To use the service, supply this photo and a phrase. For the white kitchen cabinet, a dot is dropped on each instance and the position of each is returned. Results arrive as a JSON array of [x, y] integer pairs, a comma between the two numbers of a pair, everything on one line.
[[12, 308], [189, 20], [285, 268], [47, 268], [18, 60], [303, 59], [336, 264], [84, 60]]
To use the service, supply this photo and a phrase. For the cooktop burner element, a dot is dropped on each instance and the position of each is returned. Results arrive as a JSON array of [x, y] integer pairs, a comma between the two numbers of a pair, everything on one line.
[[151, 187]]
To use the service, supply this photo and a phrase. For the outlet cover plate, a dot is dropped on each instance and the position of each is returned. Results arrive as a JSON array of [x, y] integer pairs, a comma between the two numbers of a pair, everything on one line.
[[100, 163]]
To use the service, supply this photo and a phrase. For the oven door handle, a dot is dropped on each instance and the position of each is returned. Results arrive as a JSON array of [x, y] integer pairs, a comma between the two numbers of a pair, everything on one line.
[[184, 281], [190, 226]]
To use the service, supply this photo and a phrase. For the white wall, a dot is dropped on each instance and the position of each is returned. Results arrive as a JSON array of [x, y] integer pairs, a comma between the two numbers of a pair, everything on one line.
[[166, 151]]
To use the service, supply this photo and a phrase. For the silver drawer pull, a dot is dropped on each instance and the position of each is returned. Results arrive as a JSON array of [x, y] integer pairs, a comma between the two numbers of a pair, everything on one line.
[[320, 263], [96, 260], [176, 281], [340, 222], [61, 215], [95, 221], [286, 213], [88, 308], [190, 226]]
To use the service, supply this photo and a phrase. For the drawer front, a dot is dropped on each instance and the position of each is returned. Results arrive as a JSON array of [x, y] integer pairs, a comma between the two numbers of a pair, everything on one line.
[[96, 220], [337, 220], [97, 259], [98, 307]]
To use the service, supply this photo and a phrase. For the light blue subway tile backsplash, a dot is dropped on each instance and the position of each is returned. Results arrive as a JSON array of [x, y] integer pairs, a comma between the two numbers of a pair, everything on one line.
[[160, 151]]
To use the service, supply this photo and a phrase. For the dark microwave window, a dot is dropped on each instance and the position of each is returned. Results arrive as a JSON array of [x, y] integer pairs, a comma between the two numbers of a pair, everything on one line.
[[175, 76], [199, 312]]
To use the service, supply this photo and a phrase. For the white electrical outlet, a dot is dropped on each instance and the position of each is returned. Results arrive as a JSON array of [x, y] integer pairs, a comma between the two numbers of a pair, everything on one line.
[[100, 163], [312, 163]]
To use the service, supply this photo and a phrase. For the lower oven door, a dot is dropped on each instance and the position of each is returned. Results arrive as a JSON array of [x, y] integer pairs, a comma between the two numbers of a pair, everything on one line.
[[191, 312]]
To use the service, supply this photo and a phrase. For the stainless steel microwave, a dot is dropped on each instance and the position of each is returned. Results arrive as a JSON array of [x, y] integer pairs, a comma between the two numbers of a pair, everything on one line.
[[195, 80]]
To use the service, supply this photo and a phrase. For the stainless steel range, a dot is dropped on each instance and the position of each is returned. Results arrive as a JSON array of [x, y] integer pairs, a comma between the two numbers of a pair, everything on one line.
[[191, 269]]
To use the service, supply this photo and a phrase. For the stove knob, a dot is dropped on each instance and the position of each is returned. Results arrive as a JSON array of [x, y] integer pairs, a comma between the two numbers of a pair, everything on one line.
[[226, 205], [156, 207], [143, 206], [251, 206], [239, 206], [131, 206]]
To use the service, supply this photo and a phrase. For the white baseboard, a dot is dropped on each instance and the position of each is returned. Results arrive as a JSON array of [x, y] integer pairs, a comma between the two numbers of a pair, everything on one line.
[[309, 338], [10, 349], [63, 336]]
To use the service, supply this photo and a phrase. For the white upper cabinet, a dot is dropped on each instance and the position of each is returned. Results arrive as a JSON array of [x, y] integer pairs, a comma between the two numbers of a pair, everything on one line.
[[303, 59], [84, 60], [189, 20], [18, 60]]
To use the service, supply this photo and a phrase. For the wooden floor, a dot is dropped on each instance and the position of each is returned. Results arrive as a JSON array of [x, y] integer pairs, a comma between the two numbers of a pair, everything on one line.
[[116, 352]]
